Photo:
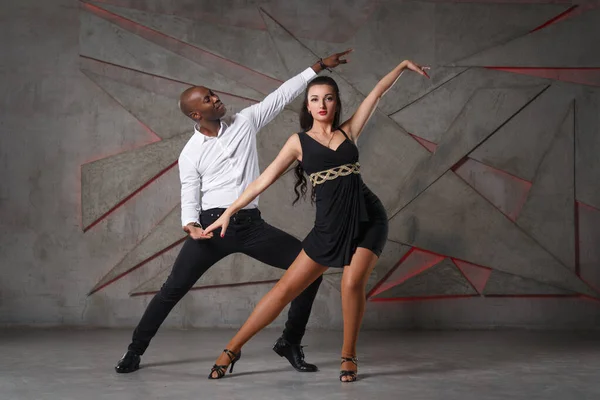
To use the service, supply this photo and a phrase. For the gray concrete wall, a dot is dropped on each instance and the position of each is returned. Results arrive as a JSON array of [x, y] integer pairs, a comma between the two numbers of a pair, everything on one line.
[[489, 175]]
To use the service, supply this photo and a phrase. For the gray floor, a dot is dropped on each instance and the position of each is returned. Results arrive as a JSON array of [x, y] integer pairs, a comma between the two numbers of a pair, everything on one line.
[[78, 364]]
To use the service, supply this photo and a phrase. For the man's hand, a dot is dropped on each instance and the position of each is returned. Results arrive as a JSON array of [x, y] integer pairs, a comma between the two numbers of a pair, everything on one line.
[[196, 232], [336, 59]]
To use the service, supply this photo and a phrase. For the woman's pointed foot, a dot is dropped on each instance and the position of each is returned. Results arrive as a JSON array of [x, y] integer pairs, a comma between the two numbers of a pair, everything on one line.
[[226, 359], [349, 369]]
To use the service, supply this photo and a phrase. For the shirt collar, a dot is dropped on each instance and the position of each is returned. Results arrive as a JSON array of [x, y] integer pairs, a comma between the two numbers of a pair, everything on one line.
[[204, 137]]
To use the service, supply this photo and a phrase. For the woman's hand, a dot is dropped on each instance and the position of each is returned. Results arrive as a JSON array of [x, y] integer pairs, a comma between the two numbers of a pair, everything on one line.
[[222, 222], [416, 67]]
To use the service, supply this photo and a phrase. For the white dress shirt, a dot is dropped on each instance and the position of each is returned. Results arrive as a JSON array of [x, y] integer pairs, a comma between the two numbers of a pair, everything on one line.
[[222, 167]]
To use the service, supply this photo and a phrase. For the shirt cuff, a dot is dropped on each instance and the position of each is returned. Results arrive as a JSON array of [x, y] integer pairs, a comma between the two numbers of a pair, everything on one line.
[[308, 74], [188, 221]]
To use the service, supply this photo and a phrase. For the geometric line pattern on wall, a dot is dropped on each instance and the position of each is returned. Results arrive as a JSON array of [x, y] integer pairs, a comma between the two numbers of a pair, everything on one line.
[[587, 147], [588, 248], [150, 98], [374, 61], [245, 46], [475, 274], [501, 284], [291, 51], [572, 11], [551, 47], [519, 146], [450, 218], [584, 76], [430, 117], [152, 109], [549, 214], [109, 182], [465, 28], [505, 191], [413, 263], [243, 75], [441, 280], [144, 80], [483, 114], [166, 235], [453, 237], [245, 15], [109, 43], [293, 15], [430, 146]]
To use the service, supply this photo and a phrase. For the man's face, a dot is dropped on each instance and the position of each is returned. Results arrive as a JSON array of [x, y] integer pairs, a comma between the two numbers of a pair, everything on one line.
[[205, 104]]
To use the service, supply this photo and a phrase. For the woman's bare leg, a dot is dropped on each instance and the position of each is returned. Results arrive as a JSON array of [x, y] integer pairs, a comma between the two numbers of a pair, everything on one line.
[[298, 277], [354, 282]]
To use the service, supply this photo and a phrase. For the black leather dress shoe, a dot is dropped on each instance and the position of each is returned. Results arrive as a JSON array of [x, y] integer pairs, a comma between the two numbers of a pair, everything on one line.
[[294, 354], [129, 363]]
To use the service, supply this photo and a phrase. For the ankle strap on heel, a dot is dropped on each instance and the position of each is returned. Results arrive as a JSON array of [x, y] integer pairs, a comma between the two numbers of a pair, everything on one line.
[[354, 360], [232, 356]]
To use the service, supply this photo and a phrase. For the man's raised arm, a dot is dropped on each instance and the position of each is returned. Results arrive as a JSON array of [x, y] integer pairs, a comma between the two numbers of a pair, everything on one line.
[[264, 112]]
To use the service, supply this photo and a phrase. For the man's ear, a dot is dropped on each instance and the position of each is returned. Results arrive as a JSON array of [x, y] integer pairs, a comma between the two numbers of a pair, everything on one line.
[[195, 115]]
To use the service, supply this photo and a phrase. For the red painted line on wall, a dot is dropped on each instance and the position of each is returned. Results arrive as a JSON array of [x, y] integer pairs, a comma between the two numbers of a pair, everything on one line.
[[511, 216], [108, 63], [424, 298], [390, 272], [119, 204], [577, 241], [472, 266], [558, 18], [540, 296], [154, 135], [137, 266], [586, 297], [423, 266], [226, 285], [429, 146], [249, 77], [192, 13], [585, 205]]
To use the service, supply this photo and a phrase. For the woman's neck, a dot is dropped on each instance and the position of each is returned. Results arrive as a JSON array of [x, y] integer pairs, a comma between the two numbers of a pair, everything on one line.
[[324, 128]]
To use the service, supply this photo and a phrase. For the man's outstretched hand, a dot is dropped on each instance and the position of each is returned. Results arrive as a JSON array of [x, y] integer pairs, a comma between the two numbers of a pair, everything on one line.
[[336, 59], [197, 232]]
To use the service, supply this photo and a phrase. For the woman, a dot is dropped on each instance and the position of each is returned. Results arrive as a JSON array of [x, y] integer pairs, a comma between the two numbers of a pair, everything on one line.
[[350, 226]]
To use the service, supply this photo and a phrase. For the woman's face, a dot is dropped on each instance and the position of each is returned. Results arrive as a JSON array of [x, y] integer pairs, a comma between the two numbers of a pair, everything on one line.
[[322, 103]]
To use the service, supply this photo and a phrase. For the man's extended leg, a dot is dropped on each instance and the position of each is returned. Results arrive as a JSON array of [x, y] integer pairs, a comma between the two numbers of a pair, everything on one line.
[[279, 249], [195, 257]]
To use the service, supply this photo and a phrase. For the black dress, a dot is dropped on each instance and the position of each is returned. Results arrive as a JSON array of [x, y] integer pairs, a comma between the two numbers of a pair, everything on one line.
[[348, 214]]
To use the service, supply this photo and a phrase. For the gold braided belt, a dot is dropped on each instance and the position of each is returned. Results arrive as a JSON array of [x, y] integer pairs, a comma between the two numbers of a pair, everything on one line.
[[330, 174]]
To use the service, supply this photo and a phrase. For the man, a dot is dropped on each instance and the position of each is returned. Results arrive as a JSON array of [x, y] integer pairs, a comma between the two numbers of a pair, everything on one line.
[[220, 160]]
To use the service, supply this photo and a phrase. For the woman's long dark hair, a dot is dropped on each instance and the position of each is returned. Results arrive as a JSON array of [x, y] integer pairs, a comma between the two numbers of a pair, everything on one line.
[[306, 123]]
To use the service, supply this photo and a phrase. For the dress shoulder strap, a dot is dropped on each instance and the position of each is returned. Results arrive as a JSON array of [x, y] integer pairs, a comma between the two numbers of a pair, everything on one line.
[[302, 137], [341, 130]]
